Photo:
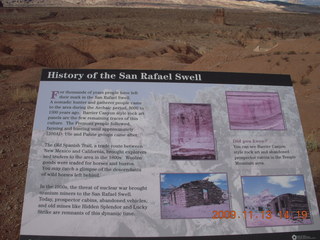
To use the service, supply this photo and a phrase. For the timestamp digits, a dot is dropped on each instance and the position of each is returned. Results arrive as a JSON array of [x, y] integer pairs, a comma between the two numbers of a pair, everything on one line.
[[231, 214]]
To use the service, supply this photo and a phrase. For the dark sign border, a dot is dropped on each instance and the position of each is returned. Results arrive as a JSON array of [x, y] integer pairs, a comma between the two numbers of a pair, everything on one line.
[[310, 235], [206, 77]]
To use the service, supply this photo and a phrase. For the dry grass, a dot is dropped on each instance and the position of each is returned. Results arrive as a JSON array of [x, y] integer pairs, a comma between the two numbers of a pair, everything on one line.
[[305, 81], [3, 75], [291, 53], [25, 95], [312, 142]]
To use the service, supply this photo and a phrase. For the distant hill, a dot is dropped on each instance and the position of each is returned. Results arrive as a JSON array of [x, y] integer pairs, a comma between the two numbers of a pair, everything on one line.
[[260, 200], [261, 5], [297, 7], [301, 2], [155, 3]]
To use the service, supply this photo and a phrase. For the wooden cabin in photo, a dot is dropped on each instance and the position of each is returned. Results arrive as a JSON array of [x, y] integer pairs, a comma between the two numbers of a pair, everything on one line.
[[196, 193], [289, 202]]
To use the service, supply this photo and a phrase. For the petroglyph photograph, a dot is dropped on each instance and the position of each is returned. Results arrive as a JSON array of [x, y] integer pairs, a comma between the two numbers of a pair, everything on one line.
[[254, 111], [191, 132]]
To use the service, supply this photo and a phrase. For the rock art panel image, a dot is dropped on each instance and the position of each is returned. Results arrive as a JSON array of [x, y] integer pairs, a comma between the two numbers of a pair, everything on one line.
[[191, 132], [254, 111]]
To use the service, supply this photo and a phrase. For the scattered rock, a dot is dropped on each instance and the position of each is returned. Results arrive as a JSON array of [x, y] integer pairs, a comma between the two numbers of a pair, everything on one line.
[[265, 46], [51, 15], [115, 30], [5, 49]]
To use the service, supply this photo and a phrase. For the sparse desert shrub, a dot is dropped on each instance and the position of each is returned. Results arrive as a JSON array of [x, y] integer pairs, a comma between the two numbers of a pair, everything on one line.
[[51, 15], [25, 95], [277, 63], [19, 32], [6, 49], [305, 81], [292, 53], [285, 59], [3, 75], [91, 34], [277, 53], [108, 35], [42, 34], [312, 143], [255, 55]]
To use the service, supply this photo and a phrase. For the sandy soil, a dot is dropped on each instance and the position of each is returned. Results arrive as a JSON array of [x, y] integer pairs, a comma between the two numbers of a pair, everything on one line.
[[34, 38]]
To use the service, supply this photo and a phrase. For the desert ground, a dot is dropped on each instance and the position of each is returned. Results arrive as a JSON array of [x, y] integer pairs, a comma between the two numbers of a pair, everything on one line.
[[119, 38]]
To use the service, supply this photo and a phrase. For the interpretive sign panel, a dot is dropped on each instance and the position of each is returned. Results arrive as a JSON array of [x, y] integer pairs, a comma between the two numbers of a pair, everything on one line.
[[167, 154]]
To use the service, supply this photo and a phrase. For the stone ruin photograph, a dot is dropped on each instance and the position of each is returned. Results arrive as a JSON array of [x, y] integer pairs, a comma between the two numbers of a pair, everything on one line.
[[283, 198], [191, 132], [254, 111], [193, 195]]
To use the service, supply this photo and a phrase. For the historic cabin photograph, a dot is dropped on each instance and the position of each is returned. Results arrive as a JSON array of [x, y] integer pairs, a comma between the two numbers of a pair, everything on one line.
[[254, 111], [293, 204], [282, 198], [193, 195], [191, 132]]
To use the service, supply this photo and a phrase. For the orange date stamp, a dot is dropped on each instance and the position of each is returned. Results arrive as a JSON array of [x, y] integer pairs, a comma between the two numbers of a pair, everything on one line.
[[259, 215]]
